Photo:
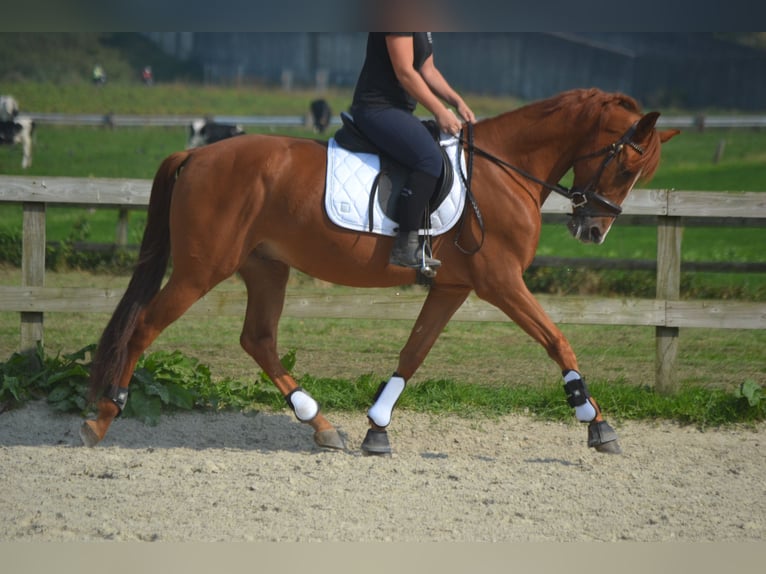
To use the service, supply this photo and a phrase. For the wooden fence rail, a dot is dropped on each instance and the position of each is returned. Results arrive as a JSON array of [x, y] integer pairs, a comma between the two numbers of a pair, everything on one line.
[[667, 313]]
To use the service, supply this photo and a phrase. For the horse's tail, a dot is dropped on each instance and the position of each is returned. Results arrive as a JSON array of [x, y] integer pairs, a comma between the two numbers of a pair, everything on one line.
[[111, 354]]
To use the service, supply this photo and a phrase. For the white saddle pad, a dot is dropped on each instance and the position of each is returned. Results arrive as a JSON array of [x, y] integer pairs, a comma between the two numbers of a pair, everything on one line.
[[349, 181]]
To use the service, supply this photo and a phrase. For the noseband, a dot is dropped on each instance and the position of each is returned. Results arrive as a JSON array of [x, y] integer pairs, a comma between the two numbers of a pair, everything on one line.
[[586, 201]]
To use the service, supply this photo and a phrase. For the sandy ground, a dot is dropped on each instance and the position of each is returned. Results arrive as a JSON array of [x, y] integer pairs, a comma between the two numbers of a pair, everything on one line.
[[258, 477]]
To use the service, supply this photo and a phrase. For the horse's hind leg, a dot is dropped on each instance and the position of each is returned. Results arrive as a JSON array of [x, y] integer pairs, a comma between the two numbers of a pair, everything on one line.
[[266, 282], [172, 301]]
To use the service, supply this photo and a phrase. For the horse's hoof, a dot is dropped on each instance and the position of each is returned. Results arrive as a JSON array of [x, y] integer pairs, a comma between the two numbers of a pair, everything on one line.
[[376, 443], [89, 436], [603, 438], [329, 439]]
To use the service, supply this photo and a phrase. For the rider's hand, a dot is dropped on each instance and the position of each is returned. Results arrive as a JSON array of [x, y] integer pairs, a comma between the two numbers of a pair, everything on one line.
[[448, 122], [466, 113]]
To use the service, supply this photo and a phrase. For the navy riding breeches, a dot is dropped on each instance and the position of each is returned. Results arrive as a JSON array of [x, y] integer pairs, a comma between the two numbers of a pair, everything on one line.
[[402, 136]]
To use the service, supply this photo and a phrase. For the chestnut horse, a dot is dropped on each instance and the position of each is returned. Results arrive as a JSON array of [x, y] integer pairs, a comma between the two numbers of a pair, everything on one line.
[[253, 205]]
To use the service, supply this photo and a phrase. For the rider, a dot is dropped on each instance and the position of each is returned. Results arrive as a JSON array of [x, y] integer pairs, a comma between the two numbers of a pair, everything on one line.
[[398, 73], [147, 76]]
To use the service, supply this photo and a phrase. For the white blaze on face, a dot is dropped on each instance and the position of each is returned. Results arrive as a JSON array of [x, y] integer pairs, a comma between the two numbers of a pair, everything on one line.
[[635, 180], [609, 227]]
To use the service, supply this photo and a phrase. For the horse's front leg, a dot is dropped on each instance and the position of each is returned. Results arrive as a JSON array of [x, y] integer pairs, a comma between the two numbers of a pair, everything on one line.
[[516, 301], [441, 303], [266, 282]]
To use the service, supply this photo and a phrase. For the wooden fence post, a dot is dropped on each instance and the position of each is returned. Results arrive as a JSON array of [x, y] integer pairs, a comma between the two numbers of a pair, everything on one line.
[[669, 233], [121, 235], [32, 271]]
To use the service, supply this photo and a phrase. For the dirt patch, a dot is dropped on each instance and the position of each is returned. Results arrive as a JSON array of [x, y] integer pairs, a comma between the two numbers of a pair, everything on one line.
[[238, 477]]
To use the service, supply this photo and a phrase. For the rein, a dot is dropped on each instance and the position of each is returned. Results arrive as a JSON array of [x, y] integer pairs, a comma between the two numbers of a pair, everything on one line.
[[580, 197], [467, 178]]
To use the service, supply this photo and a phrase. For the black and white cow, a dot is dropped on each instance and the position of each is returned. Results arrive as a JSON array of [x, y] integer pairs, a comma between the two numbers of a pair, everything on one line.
[[9, 108], [203, 132], [16, 129]]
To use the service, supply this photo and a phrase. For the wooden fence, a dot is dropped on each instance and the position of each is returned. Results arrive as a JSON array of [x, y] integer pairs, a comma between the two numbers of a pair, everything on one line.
[[667, 313]]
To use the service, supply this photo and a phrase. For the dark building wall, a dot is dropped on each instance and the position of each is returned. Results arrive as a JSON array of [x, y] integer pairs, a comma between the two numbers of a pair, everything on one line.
[[529, 65], [687, 70], [715, 82], [267, 57]]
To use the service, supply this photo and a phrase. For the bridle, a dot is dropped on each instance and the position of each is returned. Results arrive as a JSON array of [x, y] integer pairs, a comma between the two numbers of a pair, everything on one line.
[[579, 196], [586, 201], [582, 198]]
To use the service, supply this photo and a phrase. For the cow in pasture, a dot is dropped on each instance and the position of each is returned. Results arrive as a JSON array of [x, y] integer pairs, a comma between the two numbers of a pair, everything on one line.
[[203, 132], [16, 129], [319, 115], [9, 108]]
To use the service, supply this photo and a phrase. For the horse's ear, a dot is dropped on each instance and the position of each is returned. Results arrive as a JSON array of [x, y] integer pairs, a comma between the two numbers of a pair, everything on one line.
[[665, 135], [646, 125]]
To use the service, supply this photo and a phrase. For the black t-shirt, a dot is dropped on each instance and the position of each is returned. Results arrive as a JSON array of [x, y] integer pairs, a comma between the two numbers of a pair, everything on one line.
[[377, 84]]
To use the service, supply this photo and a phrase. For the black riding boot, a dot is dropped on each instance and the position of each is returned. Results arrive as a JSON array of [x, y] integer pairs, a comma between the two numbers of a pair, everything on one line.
[[408, 251]]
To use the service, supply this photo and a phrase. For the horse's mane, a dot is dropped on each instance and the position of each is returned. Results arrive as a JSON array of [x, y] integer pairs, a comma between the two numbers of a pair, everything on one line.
[[589, 105], [589, 102]]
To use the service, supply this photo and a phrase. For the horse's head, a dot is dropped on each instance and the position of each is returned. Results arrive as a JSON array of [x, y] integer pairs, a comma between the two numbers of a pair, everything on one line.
[[625, 150]]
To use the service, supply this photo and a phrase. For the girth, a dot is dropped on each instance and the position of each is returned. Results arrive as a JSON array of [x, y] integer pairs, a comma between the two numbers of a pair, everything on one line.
[[392, 175]]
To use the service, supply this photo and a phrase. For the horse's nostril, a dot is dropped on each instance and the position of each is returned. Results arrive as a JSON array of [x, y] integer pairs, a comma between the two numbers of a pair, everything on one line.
[[595, 234]]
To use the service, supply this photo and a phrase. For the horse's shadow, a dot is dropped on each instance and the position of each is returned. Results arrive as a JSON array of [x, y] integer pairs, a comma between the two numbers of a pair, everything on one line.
[[36, 424]]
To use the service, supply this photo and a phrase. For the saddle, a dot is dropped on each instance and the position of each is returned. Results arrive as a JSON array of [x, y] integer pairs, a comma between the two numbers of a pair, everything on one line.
[[392, 176]]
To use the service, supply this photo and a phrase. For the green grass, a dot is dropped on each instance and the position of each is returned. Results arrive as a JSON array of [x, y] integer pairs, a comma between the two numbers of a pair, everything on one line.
[[125, 152], [478, 370], [63, 58], [169, 99], [186, 99], [700, 407], [687, 161]]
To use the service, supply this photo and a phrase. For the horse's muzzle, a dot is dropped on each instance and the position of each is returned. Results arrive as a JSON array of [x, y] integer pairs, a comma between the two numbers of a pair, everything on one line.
[[587, 230]]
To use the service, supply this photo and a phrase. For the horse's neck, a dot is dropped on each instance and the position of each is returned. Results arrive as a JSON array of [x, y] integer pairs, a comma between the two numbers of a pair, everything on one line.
[[545, 147]]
